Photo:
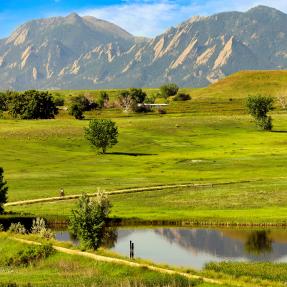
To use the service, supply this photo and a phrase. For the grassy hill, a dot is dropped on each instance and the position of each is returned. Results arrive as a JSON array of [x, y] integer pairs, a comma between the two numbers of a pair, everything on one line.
[[225, 96], [237, 85], [244, 83]]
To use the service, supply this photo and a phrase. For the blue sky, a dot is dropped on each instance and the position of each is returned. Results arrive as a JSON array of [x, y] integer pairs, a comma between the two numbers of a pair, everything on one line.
[[141, 18]]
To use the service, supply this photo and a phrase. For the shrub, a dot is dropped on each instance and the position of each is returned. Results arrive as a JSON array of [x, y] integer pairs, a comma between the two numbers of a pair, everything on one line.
[[182, 97], [126, 101], [39, 227], [17, 228], [138, 95], [76, 111], [103, 99], [143, 109], [79, 105], [82, 102], [102, 134], [161, 111], [1, 227], [151, 98], [59, 100], [30, 255], [282, 98], [33, 105], [169, 90], [3, 191], [3, 102], [129, 99], [258, 107], [88, 220]]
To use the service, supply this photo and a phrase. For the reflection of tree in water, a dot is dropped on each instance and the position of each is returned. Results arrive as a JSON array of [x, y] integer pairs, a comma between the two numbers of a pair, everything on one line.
[[258, 243], [110, 237]]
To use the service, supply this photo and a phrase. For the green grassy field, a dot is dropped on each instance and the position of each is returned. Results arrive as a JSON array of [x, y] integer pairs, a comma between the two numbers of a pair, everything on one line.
[[204, 140], [61, 269], [229, 204], [71, 270]]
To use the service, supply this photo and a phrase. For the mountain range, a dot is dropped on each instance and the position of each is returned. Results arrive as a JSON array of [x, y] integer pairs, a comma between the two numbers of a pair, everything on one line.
[[76, 52]]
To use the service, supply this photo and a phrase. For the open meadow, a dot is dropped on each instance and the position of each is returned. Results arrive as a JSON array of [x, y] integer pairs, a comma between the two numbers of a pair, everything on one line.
[[238, 172], [208, 140]]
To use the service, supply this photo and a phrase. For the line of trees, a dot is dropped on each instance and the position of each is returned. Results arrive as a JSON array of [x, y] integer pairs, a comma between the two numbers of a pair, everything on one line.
[[33, 104], [30, 104]]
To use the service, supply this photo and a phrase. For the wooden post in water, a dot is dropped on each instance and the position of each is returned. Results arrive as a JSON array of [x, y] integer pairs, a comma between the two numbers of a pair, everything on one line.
[[132, 246], [133, 250]]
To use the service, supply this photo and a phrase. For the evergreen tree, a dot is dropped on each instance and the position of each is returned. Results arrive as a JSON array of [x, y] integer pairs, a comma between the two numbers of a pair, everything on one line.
[[3, 191]]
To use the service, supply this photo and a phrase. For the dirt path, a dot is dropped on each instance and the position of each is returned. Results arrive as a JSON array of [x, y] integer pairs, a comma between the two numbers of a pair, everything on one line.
[[121, 261], [121, 191]]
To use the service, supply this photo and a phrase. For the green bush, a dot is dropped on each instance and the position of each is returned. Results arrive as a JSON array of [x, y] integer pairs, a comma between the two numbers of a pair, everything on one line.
[[79, 105], [87, 221], [258, 107], [33, 105], [103, 99], [76, 111], [59, 100], [169, 90], [138, 95], [152, 98], [30, 255], [83, 103], [17, 228], [3, 102], [182, 97]]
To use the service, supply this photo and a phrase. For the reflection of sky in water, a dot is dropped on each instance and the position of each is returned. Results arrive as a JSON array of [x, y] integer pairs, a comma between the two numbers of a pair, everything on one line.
[[155, 247], [196, 247]]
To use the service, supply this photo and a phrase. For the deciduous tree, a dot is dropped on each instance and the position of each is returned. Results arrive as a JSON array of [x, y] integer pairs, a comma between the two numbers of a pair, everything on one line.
[[102, 134], [258, 107], [88, 220]]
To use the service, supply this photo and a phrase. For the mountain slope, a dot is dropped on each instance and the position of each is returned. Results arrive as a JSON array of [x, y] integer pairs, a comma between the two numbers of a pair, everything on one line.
[[76, 52], [38, 51]]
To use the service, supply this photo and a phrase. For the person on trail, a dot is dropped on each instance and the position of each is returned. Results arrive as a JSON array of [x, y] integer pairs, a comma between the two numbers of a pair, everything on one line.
[[62, 193]]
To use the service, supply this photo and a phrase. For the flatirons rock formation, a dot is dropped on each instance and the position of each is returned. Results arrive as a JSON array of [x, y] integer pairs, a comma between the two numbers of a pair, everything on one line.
[[76, 52]]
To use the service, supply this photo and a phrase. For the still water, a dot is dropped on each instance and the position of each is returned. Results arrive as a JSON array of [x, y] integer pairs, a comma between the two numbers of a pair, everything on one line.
[[194, 247]]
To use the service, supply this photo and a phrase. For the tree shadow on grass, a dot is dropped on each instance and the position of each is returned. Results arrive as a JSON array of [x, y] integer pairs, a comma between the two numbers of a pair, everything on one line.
[[130, 153], [281, 132]]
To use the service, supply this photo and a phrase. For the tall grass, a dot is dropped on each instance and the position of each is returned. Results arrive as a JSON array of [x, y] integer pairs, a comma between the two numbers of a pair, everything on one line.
[[269, 271]]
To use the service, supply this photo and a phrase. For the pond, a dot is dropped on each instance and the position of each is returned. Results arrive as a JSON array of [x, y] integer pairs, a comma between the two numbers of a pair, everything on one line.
[[194, 247]]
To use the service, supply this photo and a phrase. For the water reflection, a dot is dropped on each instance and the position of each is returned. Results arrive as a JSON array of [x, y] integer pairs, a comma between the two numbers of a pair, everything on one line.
[[194, 247], [110, 237], [259, 242], [109, 240]]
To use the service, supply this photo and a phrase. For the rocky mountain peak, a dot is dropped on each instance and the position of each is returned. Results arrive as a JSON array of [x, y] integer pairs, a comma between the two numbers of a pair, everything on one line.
[[76, 52]]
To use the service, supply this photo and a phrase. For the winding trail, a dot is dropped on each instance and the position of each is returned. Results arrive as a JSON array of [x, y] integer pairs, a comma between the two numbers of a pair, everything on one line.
[[102, 258], [123, 191]]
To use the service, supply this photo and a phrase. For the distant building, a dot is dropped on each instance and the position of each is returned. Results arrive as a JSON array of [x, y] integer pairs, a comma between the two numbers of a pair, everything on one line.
[[158, 106]]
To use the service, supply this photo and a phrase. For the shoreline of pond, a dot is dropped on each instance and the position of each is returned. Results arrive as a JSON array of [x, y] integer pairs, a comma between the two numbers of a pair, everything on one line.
[[7, 219]]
